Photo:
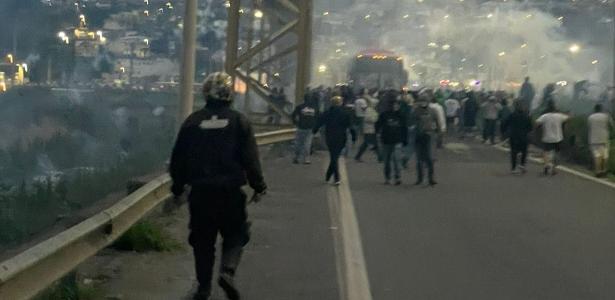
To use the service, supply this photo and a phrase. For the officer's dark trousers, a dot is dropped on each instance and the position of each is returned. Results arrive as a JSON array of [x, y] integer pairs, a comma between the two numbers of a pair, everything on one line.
[[424, 157], [213, 211], [334, 169]]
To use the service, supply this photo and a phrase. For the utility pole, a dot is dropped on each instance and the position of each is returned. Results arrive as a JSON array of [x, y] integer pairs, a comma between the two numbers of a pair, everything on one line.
[[251, 19], [186, 94], [49, 70], [304, 49], [232, 37]]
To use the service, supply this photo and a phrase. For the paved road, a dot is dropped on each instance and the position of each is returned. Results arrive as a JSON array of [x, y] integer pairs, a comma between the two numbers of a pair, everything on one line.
[[485, 234], [480, 234]]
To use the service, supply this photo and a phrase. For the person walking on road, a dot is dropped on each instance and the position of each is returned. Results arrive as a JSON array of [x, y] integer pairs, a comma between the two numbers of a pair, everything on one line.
[[427, 126], [360, 107], [393, 129], [437, 107], [304, 117], [518, 127], [337, 123], [552, 124], [470, 111], [452, 112], [216, 154], [491, 112], [407, 108], [369, 133], [599, 126], [527, 94]]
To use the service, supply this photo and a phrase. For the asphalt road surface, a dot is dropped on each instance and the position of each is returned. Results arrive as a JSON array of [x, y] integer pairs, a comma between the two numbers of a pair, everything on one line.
[[481, 233]]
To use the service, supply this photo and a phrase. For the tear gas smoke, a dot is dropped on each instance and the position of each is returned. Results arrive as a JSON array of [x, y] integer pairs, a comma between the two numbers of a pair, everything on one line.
[[497, 43]]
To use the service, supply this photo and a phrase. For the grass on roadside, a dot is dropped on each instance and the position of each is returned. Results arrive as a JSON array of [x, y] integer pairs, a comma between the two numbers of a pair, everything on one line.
[[63, 291], [146, 236]]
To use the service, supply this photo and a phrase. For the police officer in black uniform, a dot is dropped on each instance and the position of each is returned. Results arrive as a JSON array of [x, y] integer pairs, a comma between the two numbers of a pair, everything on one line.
[[216, 154]]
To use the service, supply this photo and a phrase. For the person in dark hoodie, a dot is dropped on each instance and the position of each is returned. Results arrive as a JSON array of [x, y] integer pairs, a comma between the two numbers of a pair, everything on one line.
[[216, 154], [393, 130], [518, 127], [337, 124], [304, 117], [470, 111]]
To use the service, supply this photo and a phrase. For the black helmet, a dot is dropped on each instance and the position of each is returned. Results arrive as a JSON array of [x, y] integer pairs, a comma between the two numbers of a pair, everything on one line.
[[218, 87]]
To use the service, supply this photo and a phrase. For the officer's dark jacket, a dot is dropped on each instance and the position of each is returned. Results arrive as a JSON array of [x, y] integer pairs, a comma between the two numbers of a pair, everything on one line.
[[216, 147], [392, 127]]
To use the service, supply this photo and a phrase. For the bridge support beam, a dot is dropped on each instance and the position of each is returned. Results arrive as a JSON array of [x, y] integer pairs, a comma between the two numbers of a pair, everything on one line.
[[296, 16], [188, 65]]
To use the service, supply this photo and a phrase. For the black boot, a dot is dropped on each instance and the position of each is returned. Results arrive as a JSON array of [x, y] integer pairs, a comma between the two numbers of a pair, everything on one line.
[[227, 283], [201, 294]]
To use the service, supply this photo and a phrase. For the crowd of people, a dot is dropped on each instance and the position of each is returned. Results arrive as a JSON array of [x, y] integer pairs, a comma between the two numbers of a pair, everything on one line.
[[216, 153], [398, 125]]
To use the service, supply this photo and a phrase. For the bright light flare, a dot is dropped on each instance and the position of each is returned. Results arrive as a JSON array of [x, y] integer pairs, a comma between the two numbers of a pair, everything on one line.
[[574, 48], [258, 14], [322, 68], [501, 53]]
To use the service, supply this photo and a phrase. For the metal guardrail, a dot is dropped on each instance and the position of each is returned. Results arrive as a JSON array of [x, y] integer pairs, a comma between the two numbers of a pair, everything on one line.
[[32, 271]]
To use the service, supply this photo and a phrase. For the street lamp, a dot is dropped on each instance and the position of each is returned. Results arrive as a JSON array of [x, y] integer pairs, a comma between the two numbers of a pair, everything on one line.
[[574, 48], [501, 53], [9, 57], [258, 14], [322, 68], [595, 62]]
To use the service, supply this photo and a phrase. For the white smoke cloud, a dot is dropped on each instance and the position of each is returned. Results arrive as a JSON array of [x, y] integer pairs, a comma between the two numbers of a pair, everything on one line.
[[497, 42]]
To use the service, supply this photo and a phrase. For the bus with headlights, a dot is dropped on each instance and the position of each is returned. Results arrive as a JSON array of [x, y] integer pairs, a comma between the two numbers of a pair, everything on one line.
[[378, 69]]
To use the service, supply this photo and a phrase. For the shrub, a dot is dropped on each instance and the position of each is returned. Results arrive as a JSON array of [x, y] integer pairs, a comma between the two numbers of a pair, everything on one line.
[[68, 289], [146, 236]]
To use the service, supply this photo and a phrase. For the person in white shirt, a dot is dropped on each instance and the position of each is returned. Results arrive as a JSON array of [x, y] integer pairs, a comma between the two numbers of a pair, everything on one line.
[[441, 121], [452, 111], [599, 125], [360, 108], [552, 123], [369, 131]]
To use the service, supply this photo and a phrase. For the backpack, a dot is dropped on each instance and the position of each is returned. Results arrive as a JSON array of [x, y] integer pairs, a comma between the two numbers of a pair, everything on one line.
[[425, 121]]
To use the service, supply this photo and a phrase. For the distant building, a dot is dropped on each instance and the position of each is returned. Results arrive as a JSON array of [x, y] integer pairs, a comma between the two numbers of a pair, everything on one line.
[[130, 45], [12, 75], [162, 69]]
